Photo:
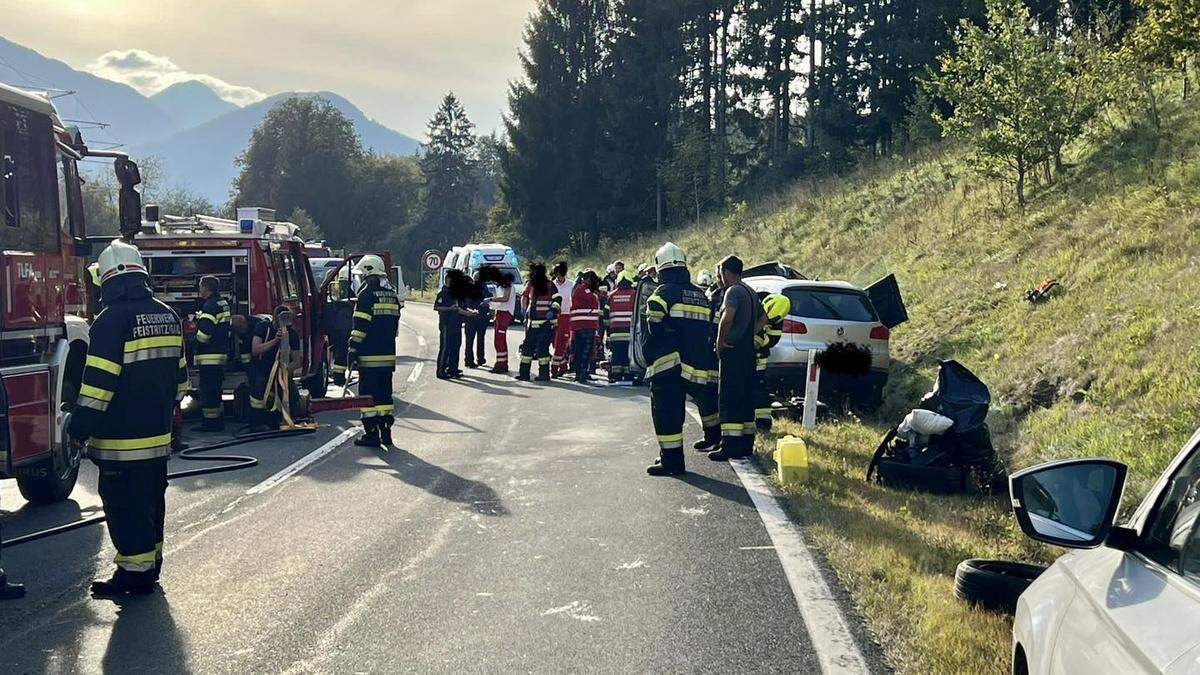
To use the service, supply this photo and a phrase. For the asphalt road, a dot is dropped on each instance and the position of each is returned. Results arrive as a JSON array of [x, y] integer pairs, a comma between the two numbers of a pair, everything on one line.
[[513, 529]]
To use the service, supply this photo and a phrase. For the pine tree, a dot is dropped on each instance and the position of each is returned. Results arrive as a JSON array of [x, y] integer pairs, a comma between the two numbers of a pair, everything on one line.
[[451, 179]]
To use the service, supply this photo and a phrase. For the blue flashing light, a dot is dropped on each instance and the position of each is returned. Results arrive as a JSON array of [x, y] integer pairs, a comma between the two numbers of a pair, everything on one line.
[[246, 225]]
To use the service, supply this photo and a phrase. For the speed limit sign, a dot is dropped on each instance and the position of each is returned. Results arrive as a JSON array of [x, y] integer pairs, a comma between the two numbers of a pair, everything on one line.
[[432, 260]]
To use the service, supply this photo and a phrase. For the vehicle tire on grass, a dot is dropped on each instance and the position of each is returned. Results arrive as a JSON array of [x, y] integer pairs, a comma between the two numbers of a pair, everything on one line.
[[994, 584]]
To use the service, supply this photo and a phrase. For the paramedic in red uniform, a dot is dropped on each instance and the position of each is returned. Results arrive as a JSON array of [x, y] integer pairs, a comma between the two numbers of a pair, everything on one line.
[[505, 304], [620, 318], [562, 334], [585, 321]]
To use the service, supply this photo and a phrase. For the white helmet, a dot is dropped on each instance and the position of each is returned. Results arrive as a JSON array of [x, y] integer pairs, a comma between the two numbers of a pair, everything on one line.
[[670, 256], [370, 266], [611, 268], [119, 258], [704, 278]]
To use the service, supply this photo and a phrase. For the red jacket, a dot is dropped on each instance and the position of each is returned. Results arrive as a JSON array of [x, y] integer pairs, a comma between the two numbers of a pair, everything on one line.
[[620, 311], [585, 308]]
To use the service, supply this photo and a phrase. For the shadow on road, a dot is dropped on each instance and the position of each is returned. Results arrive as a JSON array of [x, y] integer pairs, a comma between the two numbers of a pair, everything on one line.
[[729, 491], [482, 385], [408, 414], [145, 638], [435, 480]]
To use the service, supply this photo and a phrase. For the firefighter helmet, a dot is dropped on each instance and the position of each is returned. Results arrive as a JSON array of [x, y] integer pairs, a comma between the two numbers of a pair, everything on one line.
[[777, 306], [370, 266], [120, 258], [704, 278], [670, 256]]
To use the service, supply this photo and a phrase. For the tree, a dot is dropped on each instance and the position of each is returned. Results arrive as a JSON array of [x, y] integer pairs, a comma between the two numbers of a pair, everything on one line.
[[451, 178], [302, 156], [309, 230], [387, 197], [1007, 86]]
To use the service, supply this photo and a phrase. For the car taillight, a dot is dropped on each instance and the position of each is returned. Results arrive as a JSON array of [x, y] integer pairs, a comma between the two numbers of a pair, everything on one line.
[[880, 333], [794, 327]]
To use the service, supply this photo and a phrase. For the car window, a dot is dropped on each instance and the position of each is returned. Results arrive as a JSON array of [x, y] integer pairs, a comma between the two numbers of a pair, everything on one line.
[[1172, 539], [828, 304]]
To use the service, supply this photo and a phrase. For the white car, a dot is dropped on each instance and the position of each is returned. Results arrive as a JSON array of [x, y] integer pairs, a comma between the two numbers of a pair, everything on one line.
[[1126, 599], [822, 313]]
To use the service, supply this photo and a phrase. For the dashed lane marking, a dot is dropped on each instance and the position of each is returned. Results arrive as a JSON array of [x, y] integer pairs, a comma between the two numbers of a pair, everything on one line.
[[837, 651], [302, 463], [416, 371]]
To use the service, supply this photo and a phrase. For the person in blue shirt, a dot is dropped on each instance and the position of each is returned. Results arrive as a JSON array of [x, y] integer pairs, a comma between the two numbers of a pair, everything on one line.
[[451, 306], [476, 327]]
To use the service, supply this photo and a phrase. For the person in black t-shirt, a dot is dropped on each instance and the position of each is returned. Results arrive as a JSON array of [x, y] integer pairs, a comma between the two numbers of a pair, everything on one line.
[[269, 336], [450, 305]]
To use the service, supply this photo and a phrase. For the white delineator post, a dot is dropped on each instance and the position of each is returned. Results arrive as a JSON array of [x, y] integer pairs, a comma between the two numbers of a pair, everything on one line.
[[811, 388]]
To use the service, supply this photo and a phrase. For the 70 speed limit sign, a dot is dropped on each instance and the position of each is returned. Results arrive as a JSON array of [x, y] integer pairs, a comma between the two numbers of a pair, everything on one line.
[[432, 260]]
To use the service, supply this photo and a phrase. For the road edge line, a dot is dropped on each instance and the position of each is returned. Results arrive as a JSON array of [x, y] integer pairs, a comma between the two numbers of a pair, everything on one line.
[[302, 463], [837, 649]]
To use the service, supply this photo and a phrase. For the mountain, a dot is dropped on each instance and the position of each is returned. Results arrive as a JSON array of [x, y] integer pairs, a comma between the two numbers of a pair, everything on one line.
[[191, 103], [201, 159], [132, 118]]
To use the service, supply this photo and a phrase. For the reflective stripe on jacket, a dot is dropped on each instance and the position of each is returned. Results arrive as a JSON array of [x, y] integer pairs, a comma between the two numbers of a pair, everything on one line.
[[376, 322]]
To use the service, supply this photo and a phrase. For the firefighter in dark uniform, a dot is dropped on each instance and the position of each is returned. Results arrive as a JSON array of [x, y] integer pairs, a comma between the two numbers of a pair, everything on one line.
[[542, 303], [677, 349], [776, 307], [212, 351], [620, 308], [134, 374], [266, 341], [373, 349], [710, 415], [9, 591]]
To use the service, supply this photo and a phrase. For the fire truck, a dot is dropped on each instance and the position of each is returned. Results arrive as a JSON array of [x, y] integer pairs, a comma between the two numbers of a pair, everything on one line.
[[43, 292], [260, 262]]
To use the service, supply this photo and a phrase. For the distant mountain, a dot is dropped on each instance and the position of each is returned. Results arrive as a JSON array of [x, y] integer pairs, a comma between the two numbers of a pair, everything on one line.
[[191, 103], [132, 118], [201, 159]]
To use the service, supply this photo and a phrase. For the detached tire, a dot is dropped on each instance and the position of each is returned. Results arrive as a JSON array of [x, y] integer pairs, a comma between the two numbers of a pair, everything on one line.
[[994, 584]]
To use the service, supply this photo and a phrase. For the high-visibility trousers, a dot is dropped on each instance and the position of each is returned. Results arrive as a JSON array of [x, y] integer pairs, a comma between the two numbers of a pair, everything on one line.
[[376, 383], [668, 396], [134, 498], [562, 345], [339, 343], [736, 400], [500, 339], [618, 363], [762, 397], [212, 378], [536, 346]]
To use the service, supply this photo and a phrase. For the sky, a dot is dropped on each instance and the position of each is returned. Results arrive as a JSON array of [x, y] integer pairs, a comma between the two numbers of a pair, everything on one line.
[[394, 59]]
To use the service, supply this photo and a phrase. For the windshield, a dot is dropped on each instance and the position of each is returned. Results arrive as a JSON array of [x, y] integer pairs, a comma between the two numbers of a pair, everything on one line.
[[832, 305]]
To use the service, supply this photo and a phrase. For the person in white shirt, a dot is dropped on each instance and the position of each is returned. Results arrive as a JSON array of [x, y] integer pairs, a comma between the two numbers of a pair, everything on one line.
[[505, 303], [562, 335]]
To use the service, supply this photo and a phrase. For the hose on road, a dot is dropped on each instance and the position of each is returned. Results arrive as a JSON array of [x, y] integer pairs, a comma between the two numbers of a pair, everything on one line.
[[197, 454]]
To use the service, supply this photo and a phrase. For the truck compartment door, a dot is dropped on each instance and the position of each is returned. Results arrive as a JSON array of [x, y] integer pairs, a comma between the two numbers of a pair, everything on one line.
[[27, 414]]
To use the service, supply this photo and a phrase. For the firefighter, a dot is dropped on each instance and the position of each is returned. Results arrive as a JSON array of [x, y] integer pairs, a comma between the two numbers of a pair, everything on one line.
[[711, 416], [676, 345], [373, 349], [266, 343], [134, 374], [620, 318], [776, 307], [340, 322], [741, 317], [212, 351], [542, 304]]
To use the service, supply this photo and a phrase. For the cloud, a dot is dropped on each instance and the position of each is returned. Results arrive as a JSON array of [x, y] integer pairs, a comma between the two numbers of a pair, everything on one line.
[[151, 73]]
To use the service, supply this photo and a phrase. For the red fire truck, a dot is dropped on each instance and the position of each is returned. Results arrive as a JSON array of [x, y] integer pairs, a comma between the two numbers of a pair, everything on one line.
[[43, 296], [261, 263]]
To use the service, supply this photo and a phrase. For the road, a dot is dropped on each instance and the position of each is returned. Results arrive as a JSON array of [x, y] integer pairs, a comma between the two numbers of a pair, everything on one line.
[[512, 529]]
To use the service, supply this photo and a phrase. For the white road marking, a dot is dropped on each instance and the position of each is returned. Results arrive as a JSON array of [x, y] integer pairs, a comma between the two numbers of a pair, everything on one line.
[[302, 463], [416, 371], [837, 651]]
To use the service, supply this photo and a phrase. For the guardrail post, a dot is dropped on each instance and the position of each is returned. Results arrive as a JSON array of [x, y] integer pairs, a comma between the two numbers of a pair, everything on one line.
[[812, 386]]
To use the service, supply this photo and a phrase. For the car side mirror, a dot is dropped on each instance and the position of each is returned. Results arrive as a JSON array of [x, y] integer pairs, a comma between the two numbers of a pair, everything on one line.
[[1070, 503]]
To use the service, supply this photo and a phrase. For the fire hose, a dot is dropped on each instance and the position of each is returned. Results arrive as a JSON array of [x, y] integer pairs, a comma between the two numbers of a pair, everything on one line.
[[198, 454]]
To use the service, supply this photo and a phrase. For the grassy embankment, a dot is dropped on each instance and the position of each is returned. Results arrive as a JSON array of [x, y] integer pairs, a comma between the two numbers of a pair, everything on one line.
[[1110, 366]]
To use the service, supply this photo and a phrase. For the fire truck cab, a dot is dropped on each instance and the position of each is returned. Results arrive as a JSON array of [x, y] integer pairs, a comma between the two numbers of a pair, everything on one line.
[[43, 306]]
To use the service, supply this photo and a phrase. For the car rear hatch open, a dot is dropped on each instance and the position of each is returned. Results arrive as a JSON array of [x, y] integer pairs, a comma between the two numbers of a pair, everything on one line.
[[821, 316]]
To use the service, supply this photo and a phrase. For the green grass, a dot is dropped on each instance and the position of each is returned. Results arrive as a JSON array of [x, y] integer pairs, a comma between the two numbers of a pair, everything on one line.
[[1117, 345]]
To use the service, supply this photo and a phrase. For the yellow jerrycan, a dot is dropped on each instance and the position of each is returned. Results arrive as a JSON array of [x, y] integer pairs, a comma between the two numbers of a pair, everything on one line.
[[791, 456]]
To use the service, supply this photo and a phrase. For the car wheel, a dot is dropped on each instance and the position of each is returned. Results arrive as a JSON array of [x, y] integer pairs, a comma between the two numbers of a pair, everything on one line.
[[51, 480], [994, 584]]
